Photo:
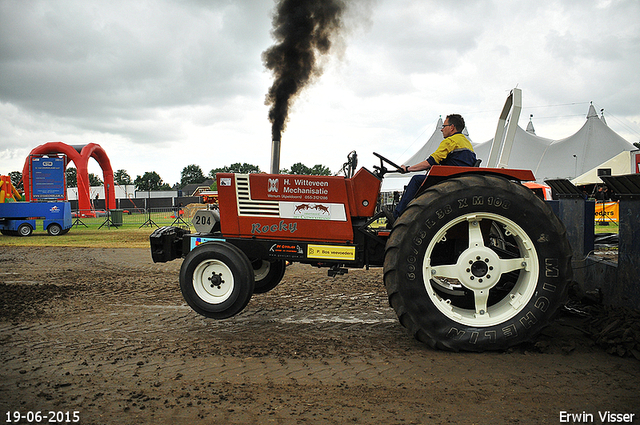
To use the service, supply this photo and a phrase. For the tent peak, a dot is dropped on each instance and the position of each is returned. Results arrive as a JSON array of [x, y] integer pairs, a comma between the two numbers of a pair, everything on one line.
[[530, 128], [602, 117], [592, 112]]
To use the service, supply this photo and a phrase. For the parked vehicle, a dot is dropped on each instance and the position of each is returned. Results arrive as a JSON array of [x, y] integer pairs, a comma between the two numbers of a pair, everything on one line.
[[19, 218]]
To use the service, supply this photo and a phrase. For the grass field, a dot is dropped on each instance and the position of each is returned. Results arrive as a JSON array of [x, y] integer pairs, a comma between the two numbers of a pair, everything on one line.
[[86, 237], [93, 232], [611, 228]]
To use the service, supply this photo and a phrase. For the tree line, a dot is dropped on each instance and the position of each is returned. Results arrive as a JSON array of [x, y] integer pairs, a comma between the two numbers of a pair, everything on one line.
[[191, 174]]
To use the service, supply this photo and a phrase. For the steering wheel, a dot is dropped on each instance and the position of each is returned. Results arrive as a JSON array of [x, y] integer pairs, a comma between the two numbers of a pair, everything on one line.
[[383, 170]]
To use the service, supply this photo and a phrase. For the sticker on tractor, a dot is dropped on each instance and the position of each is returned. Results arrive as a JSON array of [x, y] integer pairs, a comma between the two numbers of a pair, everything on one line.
[[199, 241], [304, 189], [313, 211], [331, 252], [273, 185], [286, 250]]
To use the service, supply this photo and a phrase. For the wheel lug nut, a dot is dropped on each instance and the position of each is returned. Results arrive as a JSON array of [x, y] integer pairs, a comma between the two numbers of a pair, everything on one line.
[[486, 260]]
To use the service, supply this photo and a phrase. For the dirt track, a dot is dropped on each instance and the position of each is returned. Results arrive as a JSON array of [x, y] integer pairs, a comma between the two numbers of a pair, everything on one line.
[[105, 332]]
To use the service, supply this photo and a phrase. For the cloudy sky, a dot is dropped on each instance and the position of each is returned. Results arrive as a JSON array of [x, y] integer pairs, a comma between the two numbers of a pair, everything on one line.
[[164, 84]]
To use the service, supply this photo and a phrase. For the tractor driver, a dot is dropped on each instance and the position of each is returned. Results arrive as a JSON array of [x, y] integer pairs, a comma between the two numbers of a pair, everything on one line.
[[455, 149]]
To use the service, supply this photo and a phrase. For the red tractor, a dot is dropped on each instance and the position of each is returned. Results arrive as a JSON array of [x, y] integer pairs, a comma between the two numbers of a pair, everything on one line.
[[476, 262]]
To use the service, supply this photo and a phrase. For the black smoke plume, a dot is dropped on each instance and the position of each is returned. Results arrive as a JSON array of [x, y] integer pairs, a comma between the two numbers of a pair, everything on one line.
[[303, 31]]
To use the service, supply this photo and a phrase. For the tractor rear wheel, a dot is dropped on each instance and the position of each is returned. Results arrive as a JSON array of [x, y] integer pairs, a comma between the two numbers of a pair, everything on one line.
[[268, 274], [477, 263], [216, 280]]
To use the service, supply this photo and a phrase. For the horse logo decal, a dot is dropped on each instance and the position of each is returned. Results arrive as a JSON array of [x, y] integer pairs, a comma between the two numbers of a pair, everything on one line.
[[311, 209]]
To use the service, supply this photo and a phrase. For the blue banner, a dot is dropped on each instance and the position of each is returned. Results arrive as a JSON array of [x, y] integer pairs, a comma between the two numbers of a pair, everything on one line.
[[47, 178]]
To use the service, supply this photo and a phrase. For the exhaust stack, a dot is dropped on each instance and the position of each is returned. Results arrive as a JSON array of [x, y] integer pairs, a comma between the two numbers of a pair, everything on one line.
[[275, 157]]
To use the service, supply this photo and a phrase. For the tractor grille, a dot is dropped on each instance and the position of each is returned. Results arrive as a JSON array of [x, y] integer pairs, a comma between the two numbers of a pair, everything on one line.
[[247, 206]]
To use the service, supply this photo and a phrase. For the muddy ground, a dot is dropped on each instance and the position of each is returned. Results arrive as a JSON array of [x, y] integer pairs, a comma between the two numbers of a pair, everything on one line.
[[106, 333]]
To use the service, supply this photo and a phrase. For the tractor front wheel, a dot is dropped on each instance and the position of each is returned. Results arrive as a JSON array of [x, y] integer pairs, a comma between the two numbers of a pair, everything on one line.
[[216, 280], [477, 263]]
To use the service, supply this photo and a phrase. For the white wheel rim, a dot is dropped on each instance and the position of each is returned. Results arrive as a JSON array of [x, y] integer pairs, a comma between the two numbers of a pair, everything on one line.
[[478, 269], [262, 272], [213, 281]]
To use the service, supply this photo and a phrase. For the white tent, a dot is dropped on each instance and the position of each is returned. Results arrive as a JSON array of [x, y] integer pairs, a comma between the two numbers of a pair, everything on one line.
[[619, 165], [589, 147], [567, 158], [527, 151]]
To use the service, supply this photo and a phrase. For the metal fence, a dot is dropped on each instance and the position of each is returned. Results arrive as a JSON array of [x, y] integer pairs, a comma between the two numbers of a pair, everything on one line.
[[136, 217], [142, 203]]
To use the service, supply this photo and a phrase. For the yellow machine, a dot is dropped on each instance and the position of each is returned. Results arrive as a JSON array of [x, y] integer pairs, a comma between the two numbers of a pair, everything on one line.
[[8, 193]]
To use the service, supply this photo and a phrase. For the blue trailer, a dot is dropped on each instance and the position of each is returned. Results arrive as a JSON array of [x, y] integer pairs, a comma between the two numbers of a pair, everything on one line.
[[19, 218]]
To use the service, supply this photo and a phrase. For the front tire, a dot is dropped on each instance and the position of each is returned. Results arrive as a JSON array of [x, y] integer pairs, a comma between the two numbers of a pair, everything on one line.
[[477, 263], [216, 280]]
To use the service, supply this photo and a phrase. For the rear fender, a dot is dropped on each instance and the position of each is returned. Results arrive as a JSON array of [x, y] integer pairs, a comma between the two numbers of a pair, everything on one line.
[[439, 173]]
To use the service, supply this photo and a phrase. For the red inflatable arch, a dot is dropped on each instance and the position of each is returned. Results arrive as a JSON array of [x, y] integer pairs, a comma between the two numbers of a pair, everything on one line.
[[80, 156]]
